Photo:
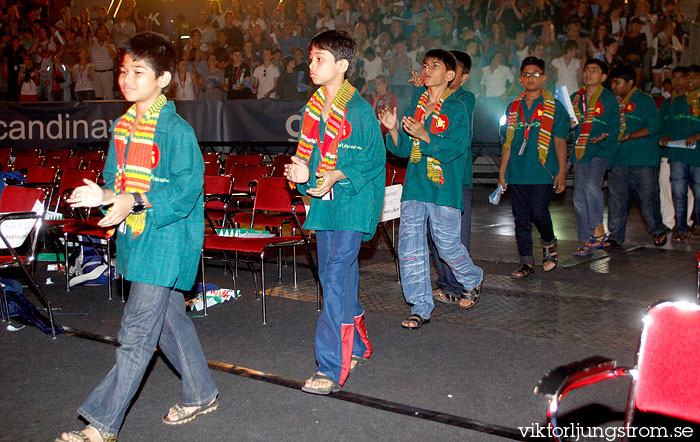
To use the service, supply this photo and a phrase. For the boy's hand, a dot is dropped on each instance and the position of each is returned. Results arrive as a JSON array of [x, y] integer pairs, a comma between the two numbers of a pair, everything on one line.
[[691, 140], [598, 139], [560, 182], [502, 182], [388, 118], [417, 79], [415, 128], [298, 171], [663, 141], [330, 177], [121, 208], [89, 195]]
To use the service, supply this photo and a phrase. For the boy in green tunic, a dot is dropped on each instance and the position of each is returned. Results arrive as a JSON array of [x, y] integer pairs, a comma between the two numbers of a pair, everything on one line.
[[341, 142], [153, 175], [596, 142], [636, 165], [435, 141], [683, 123], [533, 163]]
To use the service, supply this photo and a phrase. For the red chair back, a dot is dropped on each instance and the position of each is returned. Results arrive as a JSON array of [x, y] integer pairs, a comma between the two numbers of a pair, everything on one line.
[[669, 361], [41, 174], [210, 157], [217, 184], [20, 199], [211, 168], [96, 165], [72, 178], [63, 163], [25, 162], [89, 155], [57, 153], [273, 194], [244, 160], [243, 175], [278, 163], [5, 154]]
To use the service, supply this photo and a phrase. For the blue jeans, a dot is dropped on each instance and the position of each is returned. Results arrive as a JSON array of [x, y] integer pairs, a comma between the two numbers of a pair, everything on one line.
[[682, 176], [530, 205], [341, 331], [153, 316], [413, 252], [446, 280], [588, 196], [642, 182]]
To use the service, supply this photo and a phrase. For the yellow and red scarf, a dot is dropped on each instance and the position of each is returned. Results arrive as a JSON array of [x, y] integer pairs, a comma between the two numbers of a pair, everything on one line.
[[624, 108], [336, 121], [586, 120], [694, 102], [134, 168], [437, 124], [543, 114]]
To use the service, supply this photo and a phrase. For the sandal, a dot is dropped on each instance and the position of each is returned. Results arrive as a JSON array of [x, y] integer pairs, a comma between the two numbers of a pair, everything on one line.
[[596, 242], [679, 237], [318, 376], [470, 297], [359, 360], [523, 271], [414, 322], [611, 244], [660, 240], [440, 296], [584, 250], [104, 436], [184, 416], [549, 257]]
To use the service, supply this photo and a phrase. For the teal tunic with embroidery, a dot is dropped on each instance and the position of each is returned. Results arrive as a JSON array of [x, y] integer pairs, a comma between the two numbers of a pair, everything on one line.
[[640, 112], [357, 200], [449, 147], [526, 168], [167, 252], [607, 121], [681, 124]]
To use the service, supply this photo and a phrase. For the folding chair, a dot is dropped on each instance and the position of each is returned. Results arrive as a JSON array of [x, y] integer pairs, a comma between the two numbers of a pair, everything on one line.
[[26, 161], [5, 154], [271, 199], [42, 177], [278, 163], [244, 179], [16, 204], [89, 155], [217, 192], [58, 153], [242, 160], [664, 377], [211, 168], [63, 163], [210, 157]]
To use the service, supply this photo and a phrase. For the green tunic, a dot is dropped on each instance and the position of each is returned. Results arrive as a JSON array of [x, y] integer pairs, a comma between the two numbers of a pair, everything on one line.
[[358, 200], [167, 252], [526, 168], [640, 113], [448, 147], [608, 121], [681, 124]]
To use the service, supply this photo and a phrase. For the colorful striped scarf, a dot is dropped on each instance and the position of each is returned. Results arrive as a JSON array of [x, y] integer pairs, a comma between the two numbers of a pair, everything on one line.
[[134, 170], [309, 128], [623, 111], [433, 166], [546, 123], [587, 120]]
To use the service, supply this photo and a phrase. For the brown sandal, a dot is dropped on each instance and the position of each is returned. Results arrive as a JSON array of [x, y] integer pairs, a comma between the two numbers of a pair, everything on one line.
[[470, 298], [549, 257], [523, 271], [104, 436], [183, 416]]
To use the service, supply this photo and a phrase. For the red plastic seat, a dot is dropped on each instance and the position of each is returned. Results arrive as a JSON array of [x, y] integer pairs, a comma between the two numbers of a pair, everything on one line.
[[242, 160], [278, 163]]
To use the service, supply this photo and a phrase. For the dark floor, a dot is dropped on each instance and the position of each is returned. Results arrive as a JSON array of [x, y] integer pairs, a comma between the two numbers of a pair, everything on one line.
[[475, 371]]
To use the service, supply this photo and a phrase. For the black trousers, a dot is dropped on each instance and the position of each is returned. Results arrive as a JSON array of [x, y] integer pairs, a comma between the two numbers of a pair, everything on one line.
[[530, 204]]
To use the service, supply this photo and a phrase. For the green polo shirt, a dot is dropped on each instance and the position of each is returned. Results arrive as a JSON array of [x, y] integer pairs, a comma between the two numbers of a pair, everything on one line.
[[357, 200], [607, 121], [167, 252], [526, 168], [640, 113], [680, 125], [449, 147]]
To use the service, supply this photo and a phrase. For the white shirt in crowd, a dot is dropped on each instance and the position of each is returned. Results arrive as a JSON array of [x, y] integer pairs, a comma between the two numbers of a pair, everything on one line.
[[495, 82], [266, 78], [567, 75], [371, 69], [81, 77]]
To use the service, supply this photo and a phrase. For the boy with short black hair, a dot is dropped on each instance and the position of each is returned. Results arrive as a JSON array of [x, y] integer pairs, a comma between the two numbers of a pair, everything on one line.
[[533, 163], [636, 163], [153, 184], [340, 141], [595, 145], [435, 141], [683, 123]]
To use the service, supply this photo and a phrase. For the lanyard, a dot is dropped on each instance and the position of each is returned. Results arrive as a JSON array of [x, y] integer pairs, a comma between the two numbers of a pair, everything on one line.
[[533, 118]]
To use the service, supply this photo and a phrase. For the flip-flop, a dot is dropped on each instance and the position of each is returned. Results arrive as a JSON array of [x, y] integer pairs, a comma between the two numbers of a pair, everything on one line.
[[183, 416], [318, 376], [416, 320]]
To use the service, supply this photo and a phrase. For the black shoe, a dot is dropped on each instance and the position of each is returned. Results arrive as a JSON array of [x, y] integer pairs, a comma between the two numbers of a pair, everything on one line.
[[612, 244]]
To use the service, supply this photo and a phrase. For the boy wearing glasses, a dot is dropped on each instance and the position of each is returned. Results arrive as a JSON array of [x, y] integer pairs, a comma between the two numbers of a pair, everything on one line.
[[598, 114], [533, 163]]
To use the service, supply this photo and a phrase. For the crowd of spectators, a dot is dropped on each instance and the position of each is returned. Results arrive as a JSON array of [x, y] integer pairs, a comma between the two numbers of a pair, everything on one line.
[[248, 51]]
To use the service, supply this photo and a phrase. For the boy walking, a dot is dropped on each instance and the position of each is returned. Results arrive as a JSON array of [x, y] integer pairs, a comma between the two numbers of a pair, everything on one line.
[[435, 140], [533, 163], [598, 114], [153, 185], [636, 166], [340, 141]]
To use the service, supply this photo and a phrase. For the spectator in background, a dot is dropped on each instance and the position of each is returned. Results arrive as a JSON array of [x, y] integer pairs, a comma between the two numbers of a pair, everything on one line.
[[186, 83], [234, 35], [383, 97], [102, 56], [205, 27], [550, 45], [416, 14], [287, 82], [216, 14], [567, 68], [464, 12], [541, 15], [28, 80], [596, 43], [372, 67], [361, 37], [415, 51], [123, 29], [437, 14], [86, 34], [236, 75], [195, 42], [616, 21], [265, 76], [13, 58], [509, 16], [83, 73], [497, 41], [326, 19], [665, 48], [634, 47], [104, 19], [473, 83], [43, 50], [287, 41], [496, 79], [71, 47], [212, 83], [63, 22], [58, 79], [346, 17], [611, 49], [400, 66]]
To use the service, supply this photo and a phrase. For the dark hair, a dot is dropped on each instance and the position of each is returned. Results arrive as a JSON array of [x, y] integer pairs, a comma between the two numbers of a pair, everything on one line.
[[285, 61], [623, 71], [440, 54], [153, 49], [694, 68], [600, 63], [607, 41], [682, 69], [236, 49], [569, 45], [636, 21], [532, 61], [339, 44], [463, 60]]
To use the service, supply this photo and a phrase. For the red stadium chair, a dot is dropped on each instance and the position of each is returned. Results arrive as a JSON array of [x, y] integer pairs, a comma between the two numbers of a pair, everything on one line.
[[278, 163], [242, 160]]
